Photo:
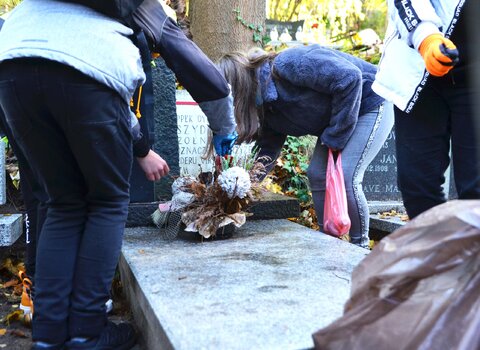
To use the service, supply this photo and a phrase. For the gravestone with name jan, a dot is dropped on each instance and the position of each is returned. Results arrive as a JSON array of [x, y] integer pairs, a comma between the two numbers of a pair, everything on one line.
[[381, 189], [380, 181]]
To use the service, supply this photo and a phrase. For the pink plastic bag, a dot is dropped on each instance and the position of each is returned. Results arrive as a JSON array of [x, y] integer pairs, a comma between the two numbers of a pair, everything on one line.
[[336, 221]]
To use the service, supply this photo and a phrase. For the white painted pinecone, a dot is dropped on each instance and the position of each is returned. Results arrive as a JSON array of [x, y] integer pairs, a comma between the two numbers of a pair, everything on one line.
[[235, 181], [181, 182]]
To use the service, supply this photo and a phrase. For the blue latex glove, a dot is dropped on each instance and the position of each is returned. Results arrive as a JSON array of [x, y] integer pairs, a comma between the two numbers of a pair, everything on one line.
[[224, 143]]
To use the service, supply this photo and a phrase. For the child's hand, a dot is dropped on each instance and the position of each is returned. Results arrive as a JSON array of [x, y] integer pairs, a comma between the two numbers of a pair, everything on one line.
[[154, 166]]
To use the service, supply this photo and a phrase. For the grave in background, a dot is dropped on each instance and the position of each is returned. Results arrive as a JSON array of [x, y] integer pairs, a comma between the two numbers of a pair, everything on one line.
[[193, 137], [11, 225], [381, 190], [380, 181]]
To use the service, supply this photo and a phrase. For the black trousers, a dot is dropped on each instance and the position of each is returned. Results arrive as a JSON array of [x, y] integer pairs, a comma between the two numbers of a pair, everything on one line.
[[443, 119], [75, 135]]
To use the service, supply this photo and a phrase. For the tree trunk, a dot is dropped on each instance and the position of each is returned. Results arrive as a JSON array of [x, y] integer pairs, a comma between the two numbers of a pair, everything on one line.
[[216, 28]]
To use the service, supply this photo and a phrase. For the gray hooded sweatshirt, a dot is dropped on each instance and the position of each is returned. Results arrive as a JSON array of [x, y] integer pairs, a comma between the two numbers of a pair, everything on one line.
[[76, 36]]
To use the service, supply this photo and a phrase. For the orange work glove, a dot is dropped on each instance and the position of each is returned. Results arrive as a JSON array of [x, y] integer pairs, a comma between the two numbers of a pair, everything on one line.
[[439, 54]]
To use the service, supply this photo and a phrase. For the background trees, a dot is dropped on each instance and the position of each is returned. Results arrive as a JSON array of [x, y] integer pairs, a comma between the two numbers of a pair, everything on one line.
[[7, 5], [333, 16], [226, 25]]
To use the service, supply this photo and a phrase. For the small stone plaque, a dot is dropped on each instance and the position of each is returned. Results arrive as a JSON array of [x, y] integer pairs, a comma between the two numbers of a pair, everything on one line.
[[193, 137]]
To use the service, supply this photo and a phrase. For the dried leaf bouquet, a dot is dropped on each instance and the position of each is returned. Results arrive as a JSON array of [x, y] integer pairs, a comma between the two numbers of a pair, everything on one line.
[[206, 203]]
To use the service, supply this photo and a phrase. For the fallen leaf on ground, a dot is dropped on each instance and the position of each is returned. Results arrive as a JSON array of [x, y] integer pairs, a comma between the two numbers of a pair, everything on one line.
[[17, 332], [13, 316], [3, 331], [12, 282]]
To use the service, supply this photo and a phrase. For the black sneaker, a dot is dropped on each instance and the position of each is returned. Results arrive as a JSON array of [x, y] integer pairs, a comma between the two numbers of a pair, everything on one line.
[[113, 337]]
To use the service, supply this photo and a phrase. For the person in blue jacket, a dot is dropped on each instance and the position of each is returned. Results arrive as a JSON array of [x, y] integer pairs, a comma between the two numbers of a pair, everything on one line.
[[312, 90]]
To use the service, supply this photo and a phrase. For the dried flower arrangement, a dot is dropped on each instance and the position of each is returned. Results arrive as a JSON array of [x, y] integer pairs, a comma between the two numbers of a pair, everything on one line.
[[213, 200]]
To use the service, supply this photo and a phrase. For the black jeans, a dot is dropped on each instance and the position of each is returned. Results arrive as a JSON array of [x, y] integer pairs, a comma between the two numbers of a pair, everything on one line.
[[443, 115], [75, 134]]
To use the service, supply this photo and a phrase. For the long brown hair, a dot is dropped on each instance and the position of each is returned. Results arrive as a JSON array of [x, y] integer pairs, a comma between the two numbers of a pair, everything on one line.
[[239, 69]]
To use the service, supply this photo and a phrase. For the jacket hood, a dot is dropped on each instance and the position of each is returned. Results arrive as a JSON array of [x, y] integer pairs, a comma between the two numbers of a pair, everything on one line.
[[266, 83]]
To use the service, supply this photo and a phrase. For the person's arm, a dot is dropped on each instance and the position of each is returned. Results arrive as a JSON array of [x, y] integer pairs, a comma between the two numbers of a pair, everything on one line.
[[328, 73], [154, 166], [414, 19], [193, 69], [269, 144], [419, 25], [118, 9]]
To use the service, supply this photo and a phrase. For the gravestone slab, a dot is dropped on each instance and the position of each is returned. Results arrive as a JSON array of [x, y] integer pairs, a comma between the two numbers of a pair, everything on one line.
[[270, 287], [11, 228]]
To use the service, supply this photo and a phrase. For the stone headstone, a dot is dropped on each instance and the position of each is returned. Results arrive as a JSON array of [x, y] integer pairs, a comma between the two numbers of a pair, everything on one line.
[[165, 125], [193, 137], [380, 181]]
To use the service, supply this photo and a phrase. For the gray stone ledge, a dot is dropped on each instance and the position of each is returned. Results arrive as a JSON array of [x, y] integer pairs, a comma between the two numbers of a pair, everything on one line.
[[271, 206], [386, 225], [382, 206], [11, 228]]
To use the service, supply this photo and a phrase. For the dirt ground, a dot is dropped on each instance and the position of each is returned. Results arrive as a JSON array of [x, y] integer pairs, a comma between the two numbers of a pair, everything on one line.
[[14, 334]]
